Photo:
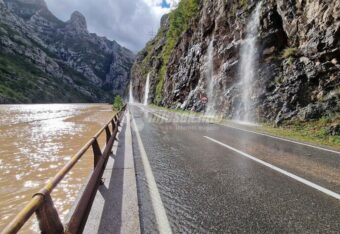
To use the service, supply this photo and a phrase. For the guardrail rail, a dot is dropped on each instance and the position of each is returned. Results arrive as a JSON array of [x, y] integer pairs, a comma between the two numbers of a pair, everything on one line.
[[42, 204]]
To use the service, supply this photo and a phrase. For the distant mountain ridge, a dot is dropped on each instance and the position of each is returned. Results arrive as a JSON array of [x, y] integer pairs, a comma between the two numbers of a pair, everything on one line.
[[43, 59]]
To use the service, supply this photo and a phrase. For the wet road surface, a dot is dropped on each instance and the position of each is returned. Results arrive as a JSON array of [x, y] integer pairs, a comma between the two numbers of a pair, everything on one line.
[[208, 185]]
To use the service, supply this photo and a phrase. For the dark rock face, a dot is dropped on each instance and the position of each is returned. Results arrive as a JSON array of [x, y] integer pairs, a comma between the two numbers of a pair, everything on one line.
[[334, 130], [298, 73], [81, 66]]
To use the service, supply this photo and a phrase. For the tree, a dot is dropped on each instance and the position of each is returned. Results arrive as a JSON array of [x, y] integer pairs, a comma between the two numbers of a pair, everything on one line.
[[118, 103]]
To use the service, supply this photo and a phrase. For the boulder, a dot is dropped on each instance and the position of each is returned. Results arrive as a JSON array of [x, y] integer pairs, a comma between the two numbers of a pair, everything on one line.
[[334, 130], [312, 111]]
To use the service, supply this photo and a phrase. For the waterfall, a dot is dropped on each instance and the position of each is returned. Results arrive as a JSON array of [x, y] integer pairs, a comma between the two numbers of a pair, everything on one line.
[[147, 89], [247, 69], [210, 78], [131, 101]]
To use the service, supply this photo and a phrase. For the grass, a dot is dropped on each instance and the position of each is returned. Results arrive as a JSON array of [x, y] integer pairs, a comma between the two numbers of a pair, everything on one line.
[[243, 3], [160, 85], [313, 131], [179, 111], [290, 52]]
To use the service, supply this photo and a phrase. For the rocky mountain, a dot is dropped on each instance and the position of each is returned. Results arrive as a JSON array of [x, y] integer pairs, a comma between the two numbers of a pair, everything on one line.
[[200, 47], [43, 59]]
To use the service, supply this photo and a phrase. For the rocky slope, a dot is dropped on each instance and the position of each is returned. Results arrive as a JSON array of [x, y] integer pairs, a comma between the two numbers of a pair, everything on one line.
[[43, 59], [298, 48]]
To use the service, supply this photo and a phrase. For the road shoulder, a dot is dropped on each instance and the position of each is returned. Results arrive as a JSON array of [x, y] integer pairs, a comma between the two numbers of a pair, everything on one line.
[[115, 208]]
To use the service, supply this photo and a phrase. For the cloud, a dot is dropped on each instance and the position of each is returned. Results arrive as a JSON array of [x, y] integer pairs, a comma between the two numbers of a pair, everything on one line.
[[130, 22]]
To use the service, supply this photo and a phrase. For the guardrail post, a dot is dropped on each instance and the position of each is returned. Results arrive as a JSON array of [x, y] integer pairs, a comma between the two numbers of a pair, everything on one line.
[[113, 125], [108, 133], [97, 153], [118, 121], [47, 215]]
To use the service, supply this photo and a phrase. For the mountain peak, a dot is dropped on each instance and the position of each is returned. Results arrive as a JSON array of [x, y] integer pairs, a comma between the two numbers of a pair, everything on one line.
[[77, 22]]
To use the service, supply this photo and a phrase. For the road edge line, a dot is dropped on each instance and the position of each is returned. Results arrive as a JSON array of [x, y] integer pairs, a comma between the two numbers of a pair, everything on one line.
[[157, 204], [282, 139], [276, 137], [152, 112]]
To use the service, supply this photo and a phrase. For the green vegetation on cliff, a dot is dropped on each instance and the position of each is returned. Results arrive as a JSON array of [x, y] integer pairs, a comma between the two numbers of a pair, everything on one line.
[[21, 82], [179, 20]]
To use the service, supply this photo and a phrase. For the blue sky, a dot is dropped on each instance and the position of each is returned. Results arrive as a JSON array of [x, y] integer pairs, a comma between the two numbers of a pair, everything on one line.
[[130, 22], [165, 4]]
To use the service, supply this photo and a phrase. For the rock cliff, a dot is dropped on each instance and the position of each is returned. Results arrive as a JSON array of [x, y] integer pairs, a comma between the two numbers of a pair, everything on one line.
[[43, 59], [297, 72]]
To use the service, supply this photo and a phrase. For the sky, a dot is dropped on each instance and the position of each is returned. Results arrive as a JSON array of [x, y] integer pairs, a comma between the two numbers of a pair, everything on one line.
[[130, 22]]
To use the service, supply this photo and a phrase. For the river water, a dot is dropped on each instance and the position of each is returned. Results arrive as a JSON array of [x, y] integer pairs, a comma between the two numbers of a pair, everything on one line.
[[35, 142]]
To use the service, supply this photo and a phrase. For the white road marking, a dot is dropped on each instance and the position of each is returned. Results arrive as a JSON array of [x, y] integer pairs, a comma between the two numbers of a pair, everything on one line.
[[159, 116], [153, 113], [283, 139], [295, 177], [157, 204], [142, 108]]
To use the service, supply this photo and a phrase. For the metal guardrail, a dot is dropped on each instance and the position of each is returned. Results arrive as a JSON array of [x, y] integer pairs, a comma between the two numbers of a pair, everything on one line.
[[42, 204]]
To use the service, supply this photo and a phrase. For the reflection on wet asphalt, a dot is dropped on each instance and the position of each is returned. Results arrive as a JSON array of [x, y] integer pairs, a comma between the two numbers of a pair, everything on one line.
[[206, 188]]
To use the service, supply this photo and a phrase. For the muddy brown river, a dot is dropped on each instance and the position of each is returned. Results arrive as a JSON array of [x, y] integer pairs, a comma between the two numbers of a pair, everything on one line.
[[35, 142]]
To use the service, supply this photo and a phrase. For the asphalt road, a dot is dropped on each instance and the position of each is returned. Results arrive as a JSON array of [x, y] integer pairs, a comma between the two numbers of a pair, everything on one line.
[[197, 176]]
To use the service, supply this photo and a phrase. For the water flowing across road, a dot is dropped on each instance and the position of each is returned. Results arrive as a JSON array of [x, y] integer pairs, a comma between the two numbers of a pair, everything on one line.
[[214, 178]]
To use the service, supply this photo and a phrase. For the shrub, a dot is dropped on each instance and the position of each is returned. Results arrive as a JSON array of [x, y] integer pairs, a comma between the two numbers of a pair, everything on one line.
[[179, 22], [290, 52], [243, 3], [118, 103]]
